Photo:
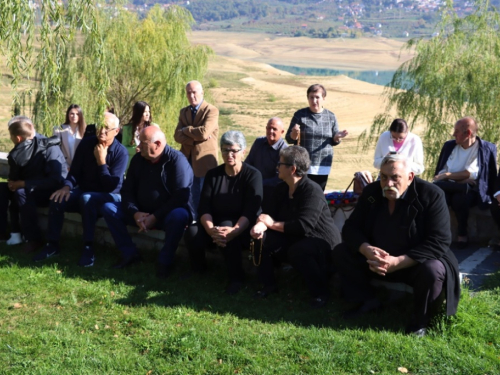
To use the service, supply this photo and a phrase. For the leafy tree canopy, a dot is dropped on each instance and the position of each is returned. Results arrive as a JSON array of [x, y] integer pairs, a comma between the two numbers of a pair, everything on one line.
[[454, 74]]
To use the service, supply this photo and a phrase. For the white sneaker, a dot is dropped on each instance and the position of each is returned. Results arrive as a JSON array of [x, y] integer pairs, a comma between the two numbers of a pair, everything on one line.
[[15, 239]]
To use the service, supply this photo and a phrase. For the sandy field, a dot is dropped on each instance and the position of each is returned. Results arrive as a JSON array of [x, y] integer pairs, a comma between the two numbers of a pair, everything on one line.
[[251, 91], [338, 53]]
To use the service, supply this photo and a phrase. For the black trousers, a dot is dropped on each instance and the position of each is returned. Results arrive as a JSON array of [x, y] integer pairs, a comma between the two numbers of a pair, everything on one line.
[[197, 240], [320, 179], [461, 203], [427, 280], [310, 256], [8, 203], [495, 212]]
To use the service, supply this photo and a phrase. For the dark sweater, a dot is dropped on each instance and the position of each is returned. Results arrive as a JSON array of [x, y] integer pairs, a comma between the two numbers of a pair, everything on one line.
[[307, 214], [229, 198], [38, 162], [86, 174], [158, 188]]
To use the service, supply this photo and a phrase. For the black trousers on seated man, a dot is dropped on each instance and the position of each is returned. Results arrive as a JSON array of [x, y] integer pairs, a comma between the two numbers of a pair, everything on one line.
[[427, 280]]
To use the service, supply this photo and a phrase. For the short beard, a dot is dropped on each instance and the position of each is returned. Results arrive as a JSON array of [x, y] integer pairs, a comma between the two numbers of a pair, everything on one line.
[[398, 195]]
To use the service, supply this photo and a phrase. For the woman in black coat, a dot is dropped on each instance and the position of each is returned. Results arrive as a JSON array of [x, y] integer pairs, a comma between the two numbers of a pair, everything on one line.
[[299, 228]]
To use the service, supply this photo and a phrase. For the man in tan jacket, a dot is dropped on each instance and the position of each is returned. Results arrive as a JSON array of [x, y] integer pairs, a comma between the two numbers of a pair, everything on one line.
[[197, 133]]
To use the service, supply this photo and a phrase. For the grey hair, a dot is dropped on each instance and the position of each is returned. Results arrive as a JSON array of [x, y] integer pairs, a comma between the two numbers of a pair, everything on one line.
[[298, 156], [393, 158], [233, 137], [113, 118], [19, 118], [194, 82]]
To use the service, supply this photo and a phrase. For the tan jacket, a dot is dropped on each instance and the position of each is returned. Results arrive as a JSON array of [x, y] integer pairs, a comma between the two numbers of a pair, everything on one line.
[[198, 138], [64, 132]]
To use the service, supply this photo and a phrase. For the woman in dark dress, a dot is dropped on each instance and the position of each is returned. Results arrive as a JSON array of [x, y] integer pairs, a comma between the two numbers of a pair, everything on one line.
[[299, 228], [230, 201]]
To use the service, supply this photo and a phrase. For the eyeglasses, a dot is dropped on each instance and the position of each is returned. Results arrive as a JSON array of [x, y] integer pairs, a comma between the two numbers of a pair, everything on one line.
[[227, 151], [280, 164], [106, 130], [398, 139]]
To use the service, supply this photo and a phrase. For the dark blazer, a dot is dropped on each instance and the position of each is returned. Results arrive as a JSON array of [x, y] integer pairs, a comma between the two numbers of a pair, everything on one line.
[[487, 160], [176, 176], [310, 217], [198, 137], [427, 223]]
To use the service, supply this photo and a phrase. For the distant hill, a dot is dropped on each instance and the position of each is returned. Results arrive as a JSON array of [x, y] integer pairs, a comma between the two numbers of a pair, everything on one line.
[[318, 19]]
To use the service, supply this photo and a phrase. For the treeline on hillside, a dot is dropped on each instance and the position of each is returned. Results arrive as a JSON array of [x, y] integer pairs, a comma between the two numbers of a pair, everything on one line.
[[216, 10]]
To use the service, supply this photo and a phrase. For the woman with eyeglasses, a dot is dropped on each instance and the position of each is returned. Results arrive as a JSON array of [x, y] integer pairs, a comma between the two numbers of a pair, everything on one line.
[[229, 203], [398, 140], [141, 118], [298, 228], [71, 132]]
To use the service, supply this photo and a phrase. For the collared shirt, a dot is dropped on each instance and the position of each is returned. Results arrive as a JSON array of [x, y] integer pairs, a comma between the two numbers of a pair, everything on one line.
[[265, 158], [194, 110]]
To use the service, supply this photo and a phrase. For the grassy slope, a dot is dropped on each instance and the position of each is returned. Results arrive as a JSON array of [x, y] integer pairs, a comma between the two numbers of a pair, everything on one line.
[[58, 318]]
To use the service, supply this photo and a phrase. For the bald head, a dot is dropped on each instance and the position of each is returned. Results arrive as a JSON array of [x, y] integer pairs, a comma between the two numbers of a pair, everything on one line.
[[274, 130], [194, 93], [468, 123], [153, 143], [465, 132]]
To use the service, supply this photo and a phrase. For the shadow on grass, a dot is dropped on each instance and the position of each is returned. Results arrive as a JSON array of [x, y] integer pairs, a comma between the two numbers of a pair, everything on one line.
[[206, 293]]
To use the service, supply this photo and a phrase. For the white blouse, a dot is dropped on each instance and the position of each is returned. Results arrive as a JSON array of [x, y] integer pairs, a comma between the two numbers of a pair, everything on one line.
[[412, 148]]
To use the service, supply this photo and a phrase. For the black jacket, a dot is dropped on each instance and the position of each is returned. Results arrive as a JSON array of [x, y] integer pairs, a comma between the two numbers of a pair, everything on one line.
[[39, 162], [310, 215], [428, 225]]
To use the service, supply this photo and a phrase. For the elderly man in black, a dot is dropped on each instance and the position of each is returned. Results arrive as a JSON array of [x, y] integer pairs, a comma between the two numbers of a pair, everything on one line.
[[400, 231]]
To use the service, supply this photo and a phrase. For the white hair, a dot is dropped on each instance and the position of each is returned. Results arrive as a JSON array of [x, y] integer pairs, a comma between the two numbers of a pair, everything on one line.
[[393, 158]]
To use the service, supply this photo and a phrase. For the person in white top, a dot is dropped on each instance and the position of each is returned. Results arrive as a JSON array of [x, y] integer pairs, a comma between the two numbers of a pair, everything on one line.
[[400, 141], [71, 132]]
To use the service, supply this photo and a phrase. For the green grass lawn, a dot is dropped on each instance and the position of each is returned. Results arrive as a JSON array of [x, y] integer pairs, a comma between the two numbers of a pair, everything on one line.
[[57, 318]]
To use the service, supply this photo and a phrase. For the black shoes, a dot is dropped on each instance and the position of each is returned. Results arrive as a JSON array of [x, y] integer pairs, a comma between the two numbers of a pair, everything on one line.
[[265, 292], [368, 306], [233, 287], [127, 261]]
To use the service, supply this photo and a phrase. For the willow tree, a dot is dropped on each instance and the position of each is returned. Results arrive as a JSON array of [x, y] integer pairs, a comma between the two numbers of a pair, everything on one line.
[[453, 74], [149, 59], [34, 38]]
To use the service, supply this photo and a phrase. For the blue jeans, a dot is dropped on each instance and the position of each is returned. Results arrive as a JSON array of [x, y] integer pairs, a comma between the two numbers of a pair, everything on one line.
[[173, 224], [88, 204]]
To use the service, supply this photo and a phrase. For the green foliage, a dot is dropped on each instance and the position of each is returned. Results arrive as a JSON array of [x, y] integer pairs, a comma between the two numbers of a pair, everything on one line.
[[43, 51], [454, 74], [149, 59]]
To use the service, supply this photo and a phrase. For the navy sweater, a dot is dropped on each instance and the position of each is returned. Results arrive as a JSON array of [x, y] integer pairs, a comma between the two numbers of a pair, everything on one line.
[[88, 176]]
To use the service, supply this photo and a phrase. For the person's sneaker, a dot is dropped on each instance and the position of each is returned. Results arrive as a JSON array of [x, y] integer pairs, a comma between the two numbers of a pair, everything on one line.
[[15, 239], [87, 259], [47, 252]]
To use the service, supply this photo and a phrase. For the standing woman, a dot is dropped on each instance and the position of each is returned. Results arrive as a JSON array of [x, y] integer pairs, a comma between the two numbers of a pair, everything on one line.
[[141, 118], [316, 129], [400, 141], [71, 132]]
